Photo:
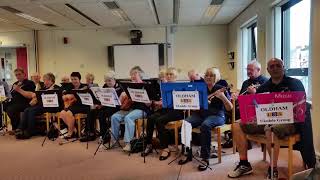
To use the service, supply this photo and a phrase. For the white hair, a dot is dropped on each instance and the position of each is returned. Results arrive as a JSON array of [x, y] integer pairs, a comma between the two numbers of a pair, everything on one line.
[[110, 75], [255, 63]]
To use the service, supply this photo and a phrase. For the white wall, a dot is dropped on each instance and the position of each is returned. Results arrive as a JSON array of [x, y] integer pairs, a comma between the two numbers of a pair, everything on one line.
[[262, 10], [200, 48], [19, 39], [194, 47], [315, 56]]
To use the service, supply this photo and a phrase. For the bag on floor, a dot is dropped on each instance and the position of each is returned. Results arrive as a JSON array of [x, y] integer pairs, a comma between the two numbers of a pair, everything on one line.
[[53, 133], [137, 145]]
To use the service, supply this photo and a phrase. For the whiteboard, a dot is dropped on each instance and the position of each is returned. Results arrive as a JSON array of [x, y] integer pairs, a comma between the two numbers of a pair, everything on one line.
[[128, 56]]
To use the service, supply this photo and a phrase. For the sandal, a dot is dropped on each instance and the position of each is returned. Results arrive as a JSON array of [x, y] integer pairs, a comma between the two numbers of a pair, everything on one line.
[[204, 165], [162, 157]]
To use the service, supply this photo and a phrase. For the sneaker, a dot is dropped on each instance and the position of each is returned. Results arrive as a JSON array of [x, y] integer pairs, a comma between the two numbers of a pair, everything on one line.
[[275, 174], [240, 170], [127, 148]]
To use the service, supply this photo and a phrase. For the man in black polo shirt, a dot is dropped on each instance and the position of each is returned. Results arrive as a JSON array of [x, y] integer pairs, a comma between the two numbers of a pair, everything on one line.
[[18, 103], [255, 78], [278, 82]]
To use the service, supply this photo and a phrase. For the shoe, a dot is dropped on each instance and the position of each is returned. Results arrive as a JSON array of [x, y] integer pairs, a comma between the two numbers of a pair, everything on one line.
[[127, 148], [275, 175], [240, 170], [147, 150], [18, 132], [68, 136], [228, 144], [162, 158], [213, 155], [184, 161], [204, 166], [23, 135], [12, 133], [88, 138]]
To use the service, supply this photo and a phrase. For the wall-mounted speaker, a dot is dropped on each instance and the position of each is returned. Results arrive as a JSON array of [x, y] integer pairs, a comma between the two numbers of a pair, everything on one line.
[[110, 57], [161, 54]]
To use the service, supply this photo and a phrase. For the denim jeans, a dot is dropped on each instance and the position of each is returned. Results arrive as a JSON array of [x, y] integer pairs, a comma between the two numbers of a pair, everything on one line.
[[206, 124], [129, 118]]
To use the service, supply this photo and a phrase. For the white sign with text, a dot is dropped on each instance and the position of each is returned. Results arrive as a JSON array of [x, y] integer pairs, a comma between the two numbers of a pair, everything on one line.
[[186, 100], [139, 95], [275, 113], [50, 100], [86, 99]]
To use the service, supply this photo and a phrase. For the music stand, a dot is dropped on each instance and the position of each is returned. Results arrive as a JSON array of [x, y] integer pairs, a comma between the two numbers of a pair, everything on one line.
[[50, 109], [153, 95], [167, 90], [252, 106], [108, 131]]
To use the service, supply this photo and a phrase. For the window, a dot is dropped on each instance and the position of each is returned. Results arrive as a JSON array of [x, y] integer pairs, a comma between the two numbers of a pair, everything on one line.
[[295, 30], [249, 45]]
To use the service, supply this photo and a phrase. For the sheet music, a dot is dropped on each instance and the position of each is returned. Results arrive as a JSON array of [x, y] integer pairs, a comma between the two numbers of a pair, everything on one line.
[[86, 99], [50, 100], [139, 95], [186, 133]]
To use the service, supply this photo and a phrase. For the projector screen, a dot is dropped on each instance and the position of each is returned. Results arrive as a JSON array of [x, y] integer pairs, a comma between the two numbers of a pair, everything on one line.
[[128, 56]]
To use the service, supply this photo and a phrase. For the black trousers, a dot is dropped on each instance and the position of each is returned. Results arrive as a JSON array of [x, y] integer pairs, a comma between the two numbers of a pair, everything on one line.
[[103, 114], [164, 134], [28, 120], [13, 110], [151, 121]]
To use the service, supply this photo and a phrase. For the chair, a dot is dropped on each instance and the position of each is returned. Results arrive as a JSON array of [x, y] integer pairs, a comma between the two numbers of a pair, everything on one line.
[[175, 125], [221, 129], [78, 117], [289, 141], [47, 116]]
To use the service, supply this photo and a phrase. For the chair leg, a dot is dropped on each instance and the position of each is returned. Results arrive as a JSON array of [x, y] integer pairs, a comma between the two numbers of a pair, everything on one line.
[[234, 146], [59, 123], [290, 157], [219, 144], [79, 126], [47, 121], [264, 152], [176, 138]]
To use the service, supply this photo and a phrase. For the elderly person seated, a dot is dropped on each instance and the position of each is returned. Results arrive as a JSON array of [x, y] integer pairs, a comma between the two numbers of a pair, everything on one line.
[[219, 103], [36, 78], [26, 127]]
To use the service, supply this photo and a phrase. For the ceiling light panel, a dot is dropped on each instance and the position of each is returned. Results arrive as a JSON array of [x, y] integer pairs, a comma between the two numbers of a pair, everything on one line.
[[138, 11], [191, 11]]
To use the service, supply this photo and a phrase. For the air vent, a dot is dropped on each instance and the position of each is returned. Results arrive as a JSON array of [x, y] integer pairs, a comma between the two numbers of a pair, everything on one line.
[[10, 9], [111, 5], [216, 2]]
